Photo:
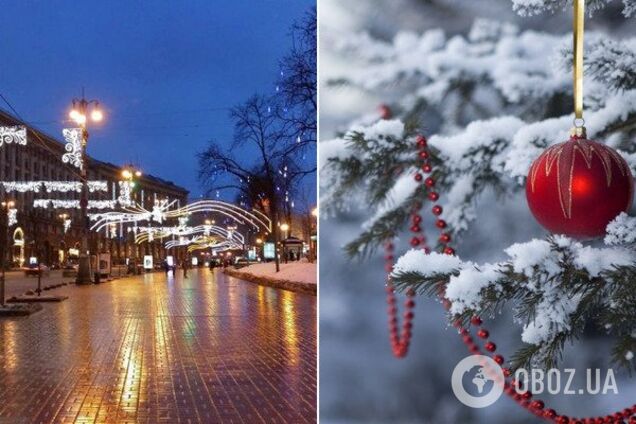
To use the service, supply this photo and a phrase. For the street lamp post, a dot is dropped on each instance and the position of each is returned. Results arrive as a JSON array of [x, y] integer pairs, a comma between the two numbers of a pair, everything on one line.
[[284, 227], [6, 257], [80, 114], [129, 174], [313, 243]]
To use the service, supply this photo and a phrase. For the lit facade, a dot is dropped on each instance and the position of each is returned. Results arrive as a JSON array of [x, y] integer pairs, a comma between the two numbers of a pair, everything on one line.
[[40, 232]]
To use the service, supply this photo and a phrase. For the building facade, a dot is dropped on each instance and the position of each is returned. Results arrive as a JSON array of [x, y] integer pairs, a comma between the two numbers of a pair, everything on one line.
[[51, 231]]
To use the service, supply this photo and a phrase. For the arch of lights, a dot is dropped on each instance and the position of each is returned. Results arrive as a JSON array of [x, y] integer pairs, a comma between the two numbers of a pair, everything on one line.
[[183, 241], [161, 212], [180, 231], [238, 214], [223, 245]]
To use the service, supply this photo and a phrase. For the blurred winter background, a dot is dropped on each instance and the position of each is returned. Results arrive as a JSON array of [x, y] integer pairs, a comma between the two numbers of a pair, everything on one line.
[[360, 381]]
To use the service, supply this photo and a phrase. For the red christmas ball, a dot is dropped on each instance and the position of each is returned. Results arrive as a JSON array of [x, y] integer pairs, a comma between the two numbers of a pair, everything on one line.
[[576, 188], [385, 111]]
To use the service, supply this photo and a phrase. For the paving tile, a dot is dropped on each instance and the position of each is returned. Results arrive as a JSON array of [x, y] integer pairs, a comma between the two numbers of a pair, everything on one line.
[[148, 349]]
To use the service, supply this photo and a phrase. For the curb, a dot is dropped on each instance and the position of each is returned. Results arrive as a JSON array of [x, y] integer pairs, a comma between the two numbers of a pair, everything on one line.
[[295, 286]]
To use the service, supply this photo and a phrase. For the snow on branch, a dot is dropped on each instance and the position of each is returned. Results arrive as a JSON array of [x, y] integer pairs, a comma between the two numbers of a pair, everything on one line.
[[536, 7], [556, 286], [609, 62], [621, 231], [518, 66]]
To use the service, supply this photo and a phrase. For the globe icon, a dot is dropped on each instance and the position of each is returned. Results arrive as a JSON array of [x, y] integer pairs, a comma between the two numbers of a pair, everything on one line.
[[476, 382]]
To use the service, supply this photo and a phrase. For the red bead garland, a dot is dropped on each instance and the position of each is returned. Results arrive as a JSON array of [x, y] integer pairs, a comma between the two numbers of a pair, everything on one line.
[[400, 343]]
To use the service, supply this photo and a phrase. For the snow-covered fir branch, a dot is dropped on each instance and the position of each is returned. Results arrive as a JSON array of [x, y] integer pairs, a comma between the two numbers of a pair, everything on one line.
[[493, 68], [556, 286], [536, 7], [527, 70], [499, 97]]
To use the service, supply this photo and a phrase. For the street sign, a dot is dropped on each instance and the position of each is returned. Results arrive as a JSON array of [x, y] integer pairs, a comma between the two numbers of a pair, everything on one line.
[[148, 262], [269, 251]]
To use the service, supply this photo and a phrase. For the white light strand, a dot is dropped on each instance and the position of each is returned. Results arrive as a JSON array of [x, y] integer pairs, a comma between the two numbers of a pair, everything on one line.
[[124, 193], [73, 204], [13, 135], [52, 186], [62, 186], [67, 225], [73, 147], [162, 232], [161, 211], [12, 214], [21, 187]]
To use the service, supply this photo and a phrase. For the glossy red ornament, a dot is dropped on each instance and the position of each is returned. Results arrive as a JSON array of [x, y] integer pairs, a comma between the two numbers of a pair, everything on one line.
[[385, 111], [576, 188]]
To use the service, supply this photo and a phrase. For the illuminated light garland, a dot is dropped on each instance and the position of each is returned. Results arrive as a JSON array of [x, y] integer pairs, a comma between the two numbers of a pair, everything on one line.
[[13, 135], [22, 187], [182, 241], [62, 186], [12, 215], [224, 245], [125, 191], [73, 147], [52, 186], [132, 214], [238, 214], [73, 204], [161, 211], [162, 232], [67, 225]]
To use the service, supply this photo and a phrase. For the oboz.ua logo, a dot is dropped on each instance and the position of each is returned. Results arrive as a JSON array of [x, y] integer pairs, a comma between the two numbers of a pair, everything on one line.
[[478, 381]]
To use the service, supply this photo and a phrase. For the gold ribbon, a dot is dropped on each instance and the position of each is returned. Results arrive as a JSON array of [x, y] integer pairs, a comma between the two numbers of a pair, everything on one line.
[[579, 22]]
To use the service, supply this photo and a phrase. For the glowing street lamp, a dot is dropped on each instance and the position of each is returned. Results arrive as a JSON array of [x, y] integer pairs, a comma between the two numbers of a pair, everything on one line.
[[81, 111], [284, 227]]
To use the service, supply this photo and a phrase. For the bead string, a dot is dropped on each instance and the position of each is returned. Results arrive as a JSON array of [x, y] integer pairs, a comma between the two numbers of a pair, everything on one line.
[[400, 344]]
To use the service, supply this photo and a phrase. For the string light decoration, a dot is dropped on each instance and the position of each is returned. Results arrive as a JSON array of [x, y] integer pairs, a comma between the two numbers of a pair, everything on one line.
[[12, 214], [241, 216], [183, 241], [52, 186], [21, 187], [73, 147], [215, 247], [73, 204], [67, 225], [133, 213], [125, 193], [13, 135], [161, 212], [180, 231]]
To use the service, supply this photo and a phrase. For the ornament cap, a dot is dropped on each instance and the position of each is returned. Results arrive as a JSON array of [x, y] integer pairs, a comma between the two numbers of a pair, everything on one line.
[[578, 132]]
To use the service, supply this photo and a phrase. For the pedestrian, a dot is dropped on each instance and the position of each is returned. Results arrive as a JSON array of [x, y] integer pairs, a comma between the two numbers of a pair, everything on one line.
[[185, 269]]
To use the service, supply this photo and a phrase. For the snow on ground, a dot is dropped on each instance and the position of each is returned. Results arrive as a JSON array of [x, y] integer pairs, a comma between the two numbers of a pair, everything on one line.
[[302, 272]]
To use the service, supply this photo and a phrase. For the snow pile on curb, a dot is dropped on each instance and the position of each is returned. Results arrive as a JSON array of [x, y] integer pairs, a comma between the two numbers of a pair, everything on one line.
[[296, 276], [301, 272]]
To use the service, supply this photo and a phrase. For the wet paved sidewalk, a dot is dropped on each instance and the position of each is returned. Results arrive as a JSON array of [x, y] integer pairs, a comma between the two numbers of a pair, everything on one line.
[[151, 349]]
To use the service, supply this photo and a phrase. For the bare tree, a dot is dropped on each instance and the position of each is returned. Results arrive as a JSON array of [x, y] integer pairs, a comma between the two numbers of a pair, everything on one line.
[[261, 162], [298, 80]]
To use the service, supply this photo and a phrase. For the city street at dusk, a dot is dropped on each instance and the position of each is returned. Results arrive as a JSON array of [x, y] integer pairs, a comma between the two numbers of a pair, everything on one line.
[[153, 348]]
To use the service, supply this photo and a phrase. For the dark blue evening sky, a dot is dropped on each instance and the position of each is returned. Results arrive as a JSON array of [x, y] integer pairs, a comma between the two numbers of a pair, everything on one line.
[[165, 71]]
